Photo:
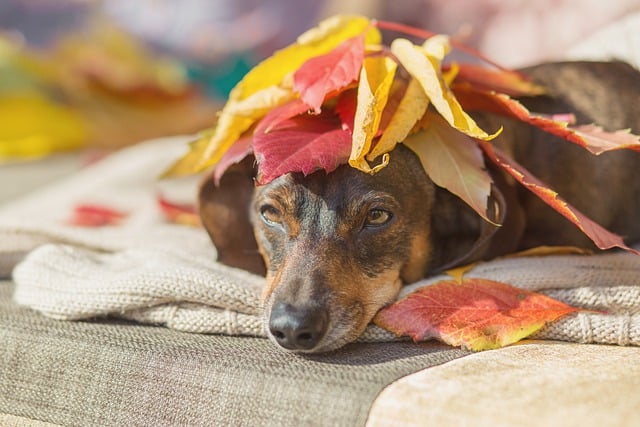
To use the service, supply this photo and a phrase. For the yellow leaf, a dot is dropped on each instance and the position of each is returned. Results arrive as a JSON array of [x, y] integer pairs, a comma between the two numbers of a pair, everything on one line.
[[235, 119], [551, 250], [32, 126], [375, 82], [453, 161], [412, 107], [459, 272], [426, 68], [316, 41]]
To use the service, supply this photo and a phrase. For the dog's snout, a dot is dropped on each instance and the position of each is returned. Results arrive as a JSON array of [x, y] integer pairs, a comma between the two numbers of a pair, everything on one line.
[[297, 328]]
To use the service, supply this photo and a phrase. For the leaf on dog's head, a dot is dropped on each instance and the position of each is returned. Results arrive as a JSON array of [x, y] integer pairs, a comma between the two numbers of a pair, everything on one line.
[[477, 314], [602, 238], [374, 86], [266, 87], [425, 66], [235, 154], [305, 143], [509, 82], [591, 137], [324, 74], [453, 161]]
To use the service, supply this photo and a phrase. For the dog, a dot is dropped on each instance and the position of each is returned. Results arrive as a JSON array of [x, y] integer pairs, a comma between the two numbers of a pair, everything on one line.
[[337, 247]]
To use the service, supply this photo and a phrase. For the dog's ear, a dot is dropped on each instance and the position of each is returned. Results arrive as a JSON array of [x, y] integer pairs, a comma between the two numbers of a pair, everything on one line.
[[224, 211]]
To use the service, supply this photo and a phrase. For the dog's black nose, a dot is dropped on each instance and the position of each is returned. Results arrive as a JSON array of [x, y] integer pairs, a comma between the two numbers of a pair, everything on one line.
[[297, 328]]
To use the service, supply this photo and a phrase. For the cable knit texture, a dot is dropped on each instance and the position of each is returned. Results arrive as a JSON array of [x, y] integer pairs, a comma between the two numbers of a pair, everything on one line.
[[152, 271]]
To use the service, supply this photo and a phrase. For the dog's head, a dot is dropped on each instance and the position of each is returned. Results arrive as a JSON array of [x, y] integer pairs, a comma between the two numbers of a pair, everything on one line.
[[335, 247]]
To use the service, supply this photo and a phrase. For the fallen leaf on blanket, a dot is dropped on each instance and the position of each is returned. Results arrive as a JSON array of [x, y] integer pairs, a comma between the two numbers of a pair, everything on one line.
[[551, 250], [89, 215], [477, 314], [178, 213]]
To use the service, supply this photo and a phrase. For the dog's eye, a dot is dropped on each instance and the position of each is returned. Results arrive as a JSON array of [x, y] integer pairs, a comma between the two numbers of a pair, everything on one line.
[[377, 217], [270, 215]]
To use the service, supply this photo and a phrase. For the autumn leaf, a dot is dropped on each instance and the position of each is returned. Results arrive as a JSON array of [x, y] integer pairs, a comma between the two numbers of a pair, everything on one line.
[[453, 161], [316, 41], [235, 154], [34, 126], [412, 107], [330, 72], [178, 213], [591, 137], [424, 64], [92, 215], [304, 143], [509, 82], [346, 108], [602, 238], [376, 78], [477, 314]]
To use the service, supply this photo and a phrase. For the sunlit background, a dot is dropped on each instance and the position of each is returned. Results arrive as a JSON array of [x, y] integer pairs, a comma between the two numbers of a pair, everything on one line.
[[86, 77]]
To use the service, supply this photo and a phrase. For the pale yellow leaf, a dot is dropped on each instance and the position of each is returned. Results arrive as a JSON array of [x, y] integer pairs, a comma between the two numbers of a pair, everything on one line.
[[427, 70], [453, 161], [235, 119], [376, 78], [437, 46]]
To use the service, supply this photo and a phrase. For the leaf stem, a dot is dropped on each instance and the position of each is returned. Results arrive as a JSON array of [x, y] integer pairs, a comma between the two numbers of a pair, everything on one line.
[[424, 34]]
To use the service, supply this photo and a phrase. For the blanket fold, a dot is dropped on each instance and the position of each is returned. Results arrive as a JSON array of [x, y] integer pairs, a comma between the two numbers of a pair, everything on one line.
[[152, 271]]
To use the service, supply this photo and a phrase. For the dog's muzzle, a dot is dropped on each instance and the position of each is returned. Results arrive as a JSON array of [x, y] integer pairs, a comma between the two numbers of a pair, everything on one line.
[[298, 328]]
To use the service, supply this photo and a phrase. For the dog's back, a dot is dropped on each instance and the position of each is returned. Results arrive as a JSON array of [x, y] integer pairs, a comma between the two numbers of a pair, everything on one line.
[[605, 187]]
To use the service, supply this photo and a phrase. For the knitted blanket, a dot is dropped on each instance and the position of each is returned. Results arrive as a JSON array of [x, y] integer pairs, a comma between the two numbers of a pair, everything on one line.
[[157, 272]]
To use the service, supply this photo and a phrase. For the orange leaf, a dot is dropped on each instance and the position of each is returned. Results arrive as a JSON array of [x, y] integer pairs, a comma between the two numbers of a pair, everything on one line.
[[509, 82], [591, 137], [178, 213], [602, 238], [478, 314]]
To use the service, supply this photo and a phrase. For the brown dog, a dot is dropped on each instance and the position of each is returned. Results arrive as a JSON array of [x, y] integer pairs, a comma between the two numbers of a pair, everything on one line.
[[337, 247]]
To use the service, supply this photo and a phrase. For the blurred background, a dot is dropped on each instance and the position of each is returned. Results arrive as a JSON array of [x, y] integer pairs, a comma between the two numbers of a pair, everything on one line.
[[85, 77]]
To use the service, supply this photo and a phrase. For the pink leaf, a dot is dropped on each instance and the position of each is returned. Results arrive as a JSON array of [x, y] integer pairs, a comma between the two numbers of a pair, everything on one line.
[[323, 74], [235, 154]]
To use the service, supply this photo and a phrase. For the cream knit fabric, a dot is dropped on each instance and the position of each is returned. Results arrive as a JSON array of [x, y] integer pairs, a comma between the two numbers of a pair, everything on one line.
[[155, 272]]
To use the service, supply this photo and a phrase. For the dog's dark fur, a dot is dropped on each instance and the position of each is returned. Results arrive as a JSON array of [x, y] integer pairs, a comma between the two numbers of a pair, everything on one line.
[[337, 247]]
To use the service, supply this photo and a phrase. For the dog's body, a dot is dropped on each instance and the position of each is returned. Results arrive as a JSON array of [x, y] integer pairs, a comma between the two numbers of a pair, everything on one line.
[[337, 247]]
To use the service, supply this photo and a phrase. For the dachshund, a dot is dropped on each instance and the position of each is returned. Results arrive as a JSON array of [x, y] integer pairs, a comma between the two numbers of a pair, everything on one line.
[[337, 247]]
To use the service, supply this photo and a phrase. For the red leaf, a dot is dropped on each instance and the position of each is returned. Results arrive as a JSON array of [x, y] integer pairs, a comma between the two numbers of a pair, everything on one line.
[[602, 238], [282, 113], [509, 82], [323, 74], [235, 154], [178, 213], [89, 215], [346, 108], [478, 314], [591, 137], [304, 144]]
